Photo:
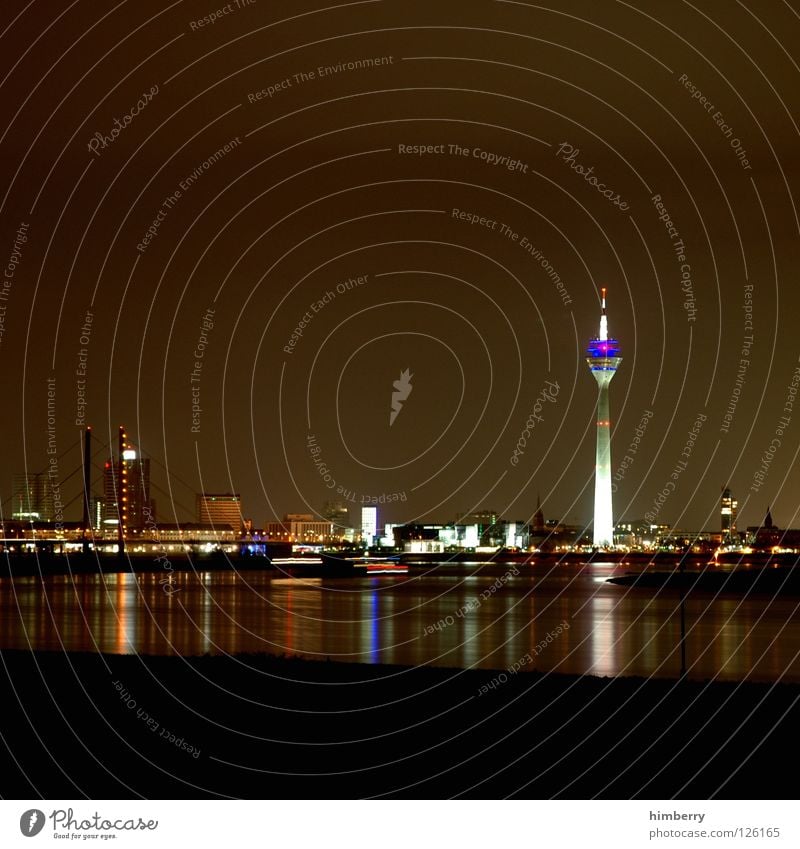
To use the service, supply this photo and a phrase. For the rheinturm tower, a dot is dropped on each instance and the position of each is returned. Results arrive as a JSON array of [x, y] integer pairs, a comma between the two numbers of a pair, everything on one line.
[[603, 358]]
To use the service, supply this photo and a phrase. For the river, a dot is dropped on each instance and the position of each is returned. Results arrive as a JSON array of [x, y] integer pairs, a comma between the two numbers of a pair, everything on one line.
[[564, 618]]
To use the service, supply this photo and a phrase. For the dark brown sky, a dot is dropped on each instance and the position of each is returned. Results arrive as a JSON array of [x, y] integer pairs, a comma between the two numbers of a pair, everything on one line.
[[317, 192]]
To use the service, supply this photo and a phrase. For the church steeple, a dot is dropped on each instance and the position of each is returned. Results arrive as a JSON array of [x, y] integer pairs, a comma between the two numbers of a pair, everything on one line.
[[538, 516]]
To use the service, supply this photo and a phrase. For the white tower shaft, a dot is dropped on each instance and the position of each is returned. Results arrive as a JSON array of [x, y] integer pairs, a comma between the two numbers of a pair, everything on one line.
[[603, 510]]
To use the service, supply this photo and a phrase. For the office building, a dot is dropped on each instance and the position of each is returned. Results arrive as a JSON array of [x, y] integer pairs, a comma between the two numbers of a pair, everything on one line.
[[32, 498], [299, 528], [369, 525], [337, 512], [221, 509]]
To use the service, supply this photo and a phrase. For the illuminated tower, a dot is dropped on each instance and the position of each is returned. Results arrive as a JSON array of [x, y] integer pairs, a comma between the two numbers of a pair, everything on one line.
[[603, 358]]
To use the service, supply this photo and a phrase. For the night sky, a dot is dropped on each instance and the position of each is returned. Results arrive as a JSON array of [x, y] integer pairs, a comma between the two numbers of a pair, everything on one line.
[[241, 189]]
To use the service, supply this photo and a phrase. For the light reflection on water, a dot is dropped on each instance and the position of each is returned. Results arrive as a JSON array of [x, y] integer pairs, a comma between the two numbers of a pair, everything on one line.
[[411, 620]]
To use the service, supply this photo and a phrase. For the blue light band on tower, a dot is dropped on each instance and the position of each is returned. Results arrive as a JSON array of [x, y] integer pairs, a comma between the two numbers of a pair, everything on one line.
[[603, 357]]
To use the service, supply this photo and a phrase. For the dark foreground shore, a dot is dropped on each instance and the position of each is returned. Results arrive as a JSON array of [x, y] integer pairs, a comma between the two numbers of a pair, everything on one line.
[[108, 726]]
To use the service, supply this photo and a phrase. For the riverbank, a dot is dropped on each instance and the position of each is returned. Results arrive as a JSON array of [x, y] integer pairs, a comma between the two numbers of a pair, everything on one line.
[[257, 726]]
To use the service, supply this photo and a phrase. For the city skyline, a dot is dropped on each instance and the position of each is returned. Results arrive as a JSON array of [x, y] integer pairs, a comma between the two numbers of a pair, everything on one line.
[[32, 499], [753, 503]]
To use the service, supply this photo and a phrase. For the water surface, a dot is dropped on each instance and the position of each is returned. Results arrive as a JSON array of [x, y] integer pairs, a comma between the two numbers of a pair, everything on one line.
[[448, 617]]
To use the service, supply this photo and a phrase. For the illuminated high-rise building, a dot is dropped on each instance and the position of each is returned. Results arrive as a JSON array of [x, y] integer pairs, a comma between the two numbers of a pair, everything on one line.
[[729, 508], [603, 359], [369, 524], [126, 489]]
